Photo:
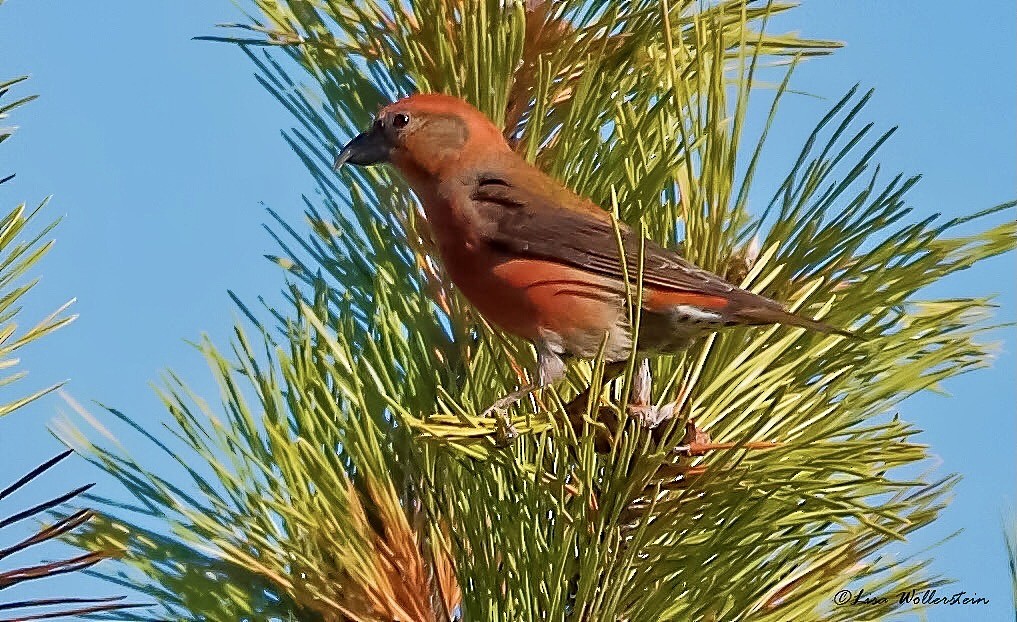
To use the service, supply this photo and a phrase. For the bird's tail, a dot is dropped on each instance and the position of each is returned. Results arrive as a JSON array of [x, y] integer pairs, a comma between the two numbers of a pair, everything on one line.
[[776, 314]]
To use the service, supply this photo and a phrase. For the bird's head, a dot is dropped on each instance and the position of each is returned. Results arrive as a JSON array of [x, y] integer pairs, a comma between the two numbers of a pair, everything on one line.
[[422, 134]]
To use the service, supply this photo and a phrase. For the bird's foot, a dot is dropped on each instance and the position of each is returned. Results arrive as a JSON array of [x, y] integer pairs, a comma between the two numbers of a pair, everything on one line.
[[504, 431], [640, 408], [650, 416]]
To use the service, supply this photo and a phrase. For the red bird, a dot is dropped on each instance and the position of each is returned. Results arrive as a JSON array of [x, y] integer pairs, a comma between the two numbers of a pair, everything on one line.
[[535, 258]]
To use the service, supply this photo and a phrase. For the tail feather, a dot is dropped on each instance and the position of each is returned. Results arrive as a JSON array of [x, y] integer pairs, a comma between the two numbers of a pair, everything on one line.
[[778, 315]]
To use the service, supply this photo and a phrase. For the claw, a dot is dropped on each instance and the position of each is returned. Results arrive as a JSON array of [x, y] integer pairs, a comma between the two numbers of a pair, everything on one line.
[[504, 431], [651, 416]]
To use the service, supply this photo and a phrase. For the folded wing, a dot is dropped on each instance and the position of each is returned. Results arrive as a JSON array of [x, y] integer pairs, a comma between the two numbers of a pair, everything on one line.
[[515, 215]]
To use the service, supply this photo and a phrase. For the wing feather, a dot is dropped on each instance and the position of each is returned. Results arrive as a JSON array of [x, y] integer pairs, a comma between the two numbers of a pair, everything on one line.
[[531, 215], [522, 221]]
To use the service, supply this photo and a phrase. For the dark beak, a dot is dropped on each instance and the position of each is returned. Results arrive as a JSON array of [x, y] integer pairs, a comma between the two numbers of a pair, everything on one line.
[[370, 147]]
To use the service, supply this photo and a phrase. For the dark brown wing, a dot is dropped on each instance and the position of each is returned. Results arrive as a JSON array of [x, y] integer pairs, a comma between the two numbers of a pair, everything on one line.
[[522, 221], [512, 214]]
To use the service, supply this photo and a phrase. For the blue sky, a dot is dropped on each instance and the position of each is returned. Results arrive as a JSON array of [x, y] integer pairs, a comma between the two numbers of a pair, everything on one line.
[[161, 152]]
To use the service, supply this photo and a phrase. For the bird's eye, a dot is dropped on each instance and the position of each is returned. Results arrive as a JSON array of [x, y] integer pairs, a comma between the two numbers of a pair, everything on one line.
[[400, 120]]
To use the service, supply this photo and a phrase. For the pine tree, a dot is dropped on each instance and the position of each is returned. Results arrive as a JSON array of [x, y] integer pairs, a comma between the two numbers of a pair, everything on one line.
[[347, 472]]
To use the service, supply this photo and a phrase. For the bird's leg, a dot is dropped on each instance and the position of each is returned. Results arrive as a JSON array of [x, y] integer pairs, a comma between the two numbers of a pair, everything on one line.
[[648, 415], [550, 367], [640, 407]]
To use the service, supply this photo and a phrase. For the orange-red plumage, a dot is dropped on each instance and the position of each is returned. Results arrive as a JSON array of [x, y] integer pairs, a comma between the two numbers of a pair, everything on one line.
[[536, 259]]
